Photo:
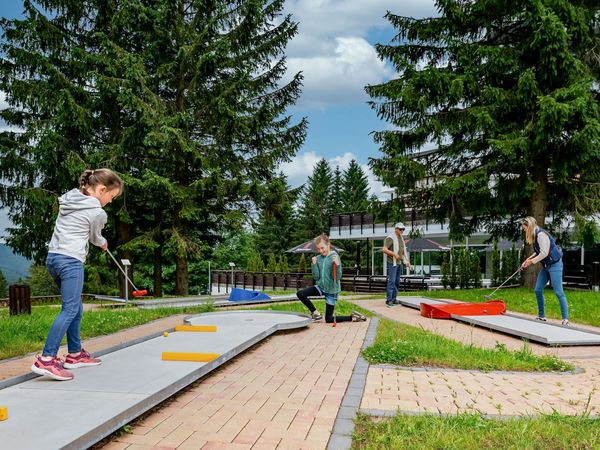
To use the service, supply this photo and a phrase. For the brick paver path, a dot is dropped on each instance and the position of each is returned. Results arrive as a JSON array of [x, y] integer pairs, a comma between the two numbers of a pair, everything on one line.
[[494, 393], [283, 393]]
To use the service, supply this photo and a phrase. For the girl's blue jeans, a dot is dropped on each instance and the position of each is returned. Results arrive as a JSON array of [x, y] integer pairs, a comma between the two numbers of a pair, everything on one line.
[[67, 273], [554, 273]]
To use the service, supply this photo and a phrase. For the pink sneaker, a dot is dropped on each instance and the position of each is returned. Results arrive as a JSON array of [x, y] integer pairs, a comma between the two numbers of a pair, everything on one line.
[[53, 369], [82, 360]]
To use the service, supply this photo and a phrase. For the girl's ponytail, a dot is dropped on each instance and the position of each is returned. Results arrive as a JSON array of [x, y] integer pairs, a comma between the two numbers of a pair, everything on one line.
[[92, 178]]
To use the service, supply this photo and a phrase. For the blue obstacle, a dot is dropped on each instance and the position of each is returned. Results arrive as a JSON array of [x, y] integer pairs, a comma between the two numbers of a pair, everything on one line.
[[238, 295]]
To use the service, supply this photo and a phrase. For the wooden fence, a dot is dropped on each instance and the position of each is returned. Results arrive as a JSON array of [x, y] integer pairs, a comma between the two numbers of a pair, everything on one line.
[[222, 281], [40, 300]]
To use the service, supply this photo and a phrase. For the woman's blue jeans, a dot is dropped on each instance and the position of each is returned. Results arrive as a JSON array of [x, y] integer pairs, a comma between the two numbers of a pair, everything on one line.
[[67, 272], [554, 273]]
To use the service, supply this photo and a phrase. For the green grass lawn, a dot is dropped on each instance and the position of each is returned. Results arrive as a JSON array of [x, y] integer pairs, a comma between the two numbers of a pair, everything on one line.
[[20, 335], [584, 306], [405, 345], [472, 432]]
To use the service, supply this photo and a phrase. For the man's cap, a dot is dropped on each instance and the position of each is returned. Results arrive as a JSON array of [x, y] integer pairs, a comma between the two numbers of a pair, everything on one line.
[[400, 225]]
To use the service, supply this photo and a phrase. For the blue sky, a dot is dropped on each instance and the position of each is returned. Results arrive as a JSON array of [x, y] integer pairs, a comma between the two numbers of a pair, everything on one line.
[[335, 51]]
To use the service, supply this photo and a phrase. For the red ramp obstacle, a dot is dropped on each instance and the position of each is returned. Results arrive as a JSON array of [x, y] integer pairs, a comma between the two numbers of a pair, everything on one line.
[[446, 310]]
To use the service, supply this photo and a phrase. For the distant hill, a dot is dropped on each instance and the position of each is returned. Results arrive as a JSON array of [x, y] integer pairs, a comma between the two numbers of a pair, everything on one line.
[[13, 266]]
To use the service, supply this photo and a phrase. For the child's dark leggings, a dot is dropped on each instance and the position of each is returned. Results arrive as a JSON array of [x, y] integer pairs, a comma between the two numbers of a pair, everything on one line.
[[312, 291]]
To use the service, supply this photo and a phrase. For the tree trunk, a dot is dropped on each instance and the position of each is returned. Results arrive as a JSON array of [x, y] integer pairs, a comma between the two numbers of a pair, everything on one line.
[[158, 288], [537, 209], [181, 270], [158, 285], [181, 264]]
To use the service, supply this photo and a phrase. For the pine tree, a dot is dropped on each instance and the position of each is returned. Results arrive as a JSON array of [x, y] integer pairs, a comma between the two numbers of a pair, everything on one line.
[[315, 203], [337, 186], [184, 101], [355, 188], [508, 92], [276, 222]]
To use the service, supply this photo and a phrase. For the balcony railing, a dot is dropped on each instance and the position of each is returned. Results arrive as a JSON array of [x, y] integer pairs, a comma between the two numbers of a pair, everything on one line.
[[386, 214]]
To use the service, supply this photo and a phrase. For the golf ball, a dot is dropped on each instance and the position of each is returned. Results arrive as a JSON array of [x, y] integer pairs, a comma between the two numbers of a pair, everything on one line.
[[165, 334]]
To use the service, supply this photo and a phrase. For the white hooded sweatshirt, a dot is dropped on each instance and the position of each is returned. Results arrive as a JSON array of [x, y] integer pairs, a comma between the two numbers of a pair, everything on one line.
[[80, 220]]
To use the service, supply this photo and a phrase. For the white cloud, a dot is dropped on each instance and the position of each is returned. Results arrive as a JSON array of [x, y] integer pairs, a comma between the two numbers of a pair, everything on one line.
[[301, 167], [338, 17], [331, 47], [339, 77]]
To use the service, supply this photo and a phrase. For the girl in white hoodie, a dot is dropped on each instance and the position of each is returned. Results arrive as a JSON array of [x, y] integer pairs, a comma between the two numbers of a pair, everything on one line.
[[80, 221]]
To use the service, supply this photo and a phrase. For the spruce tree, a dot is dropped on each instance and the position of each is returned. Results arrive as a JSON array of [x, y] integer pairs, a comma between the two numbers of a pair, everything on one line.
[[355, 188], [182, 98], [508, 93], [276, 221], [315, 203], [337, 186]]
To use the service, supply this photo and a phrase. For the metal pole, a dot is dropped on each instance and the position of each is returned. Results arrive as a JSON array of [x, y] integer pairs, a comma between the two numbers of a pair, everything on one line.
[[126, 286], [209, 280]]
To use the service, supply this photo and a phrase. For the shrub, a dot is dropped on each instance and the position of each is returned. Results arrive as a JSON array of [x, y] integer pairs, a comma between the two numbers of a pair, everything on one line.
[[3, 286], [272, 265], [453, 265], [475, 270], [284, 266], [40, 282], [495, 274], [302, 263], [464, 268], [445, 269]]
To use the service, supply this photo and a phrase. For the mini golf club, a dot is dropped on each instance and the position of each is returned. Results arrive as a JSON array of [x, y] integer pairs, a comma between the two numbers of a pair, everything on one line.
[[488, 297], [137, 292]]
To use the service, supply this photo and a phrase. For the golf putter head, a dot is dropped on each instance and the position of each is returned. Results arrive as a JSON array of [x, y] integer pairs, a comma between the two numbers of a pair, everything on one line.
[[487, 297]]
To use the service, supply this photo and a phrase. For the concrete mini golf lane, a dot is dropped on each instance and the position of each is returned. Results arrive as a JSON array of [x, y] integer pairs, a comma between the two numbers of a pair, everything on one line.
[[542, 332], [49, 414]]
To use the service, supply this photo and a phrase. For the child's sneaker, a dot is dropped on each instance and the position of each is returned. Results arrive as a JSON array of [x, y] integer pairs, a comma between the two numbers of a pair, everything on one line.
[[541, 319], [316, 315], [566, 323], [52, 368], [82, 360], [389, 304], [358, 317]]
